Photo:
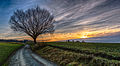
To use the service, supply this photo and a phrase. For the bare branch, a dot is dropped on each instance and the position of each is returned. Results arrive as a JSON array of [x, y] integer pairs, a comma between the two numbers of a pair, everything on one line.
[[33, 22]]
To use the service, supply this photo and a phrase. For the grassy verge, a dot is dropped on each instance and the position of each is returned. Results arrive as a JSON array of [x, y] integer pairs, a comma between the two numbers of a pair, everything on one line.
[[63, 53], [6, 49], [68, 58]]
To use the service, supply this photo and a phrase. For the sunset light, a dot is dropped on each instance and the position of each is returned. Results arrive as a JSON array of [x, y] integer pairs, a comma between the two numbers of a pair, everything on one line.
[[84, 37], [81, 20], [59, 32]]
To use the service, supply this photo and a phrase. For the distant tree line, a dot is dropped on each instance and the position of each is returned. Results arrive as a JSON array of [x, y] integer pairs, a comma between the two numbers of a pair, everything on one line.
[[22, 41], [75, 41]]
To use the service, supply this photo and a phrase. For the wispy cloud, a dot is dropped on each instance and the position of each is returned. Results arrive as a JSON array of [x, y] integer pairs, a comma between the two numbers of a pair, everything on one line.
[[73, 17]]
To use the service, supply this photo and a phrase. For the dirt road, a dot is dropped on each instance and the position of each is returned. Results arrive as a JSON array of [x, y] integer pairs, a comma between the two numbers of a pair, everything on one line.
[[25, 57]]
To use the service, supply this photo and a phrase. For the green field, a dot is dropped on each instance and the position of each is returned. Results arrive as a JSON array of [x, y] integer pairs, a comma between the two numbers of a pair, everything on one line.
[[110, 49], [78, 54], [6, 49]]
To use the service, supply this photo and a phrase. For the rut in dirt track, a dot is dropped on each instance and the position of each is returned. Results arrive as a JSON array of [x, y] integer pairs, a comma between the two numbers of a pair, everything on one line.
[[25, 57]]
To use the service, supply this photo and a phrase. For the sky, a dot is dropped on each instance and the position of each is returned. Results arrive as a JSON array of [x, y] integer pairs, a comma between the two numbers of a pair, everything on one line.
[[89, 20]]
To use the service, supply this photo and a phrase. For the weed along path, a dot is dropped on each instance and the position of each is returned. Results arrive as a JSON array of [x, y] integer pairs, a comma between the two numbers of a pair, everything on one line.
[[25, 57]]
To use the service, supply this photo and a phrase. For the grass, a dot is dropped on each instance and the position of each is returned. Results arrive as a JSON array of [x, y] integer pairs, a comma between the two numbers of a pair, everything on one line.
[[6, 49], [111, 49], [69, 58], [81, 54]]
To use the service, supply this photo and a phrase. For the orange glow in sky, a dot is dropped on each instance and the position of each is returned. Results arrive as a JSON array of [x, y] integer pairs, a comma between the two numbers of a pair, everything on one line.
[[66, 36]]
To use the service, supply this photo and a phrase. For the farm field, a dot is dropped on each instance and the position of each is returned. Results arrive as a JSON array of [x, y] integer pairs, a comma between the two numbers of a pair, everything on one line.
[[6, 49], [110, 49], [81, 54]]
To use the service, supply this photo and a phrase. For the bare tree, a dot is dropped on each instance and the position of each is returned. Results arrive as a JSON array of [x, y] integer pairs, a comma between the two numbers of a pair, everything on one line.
[[33, 22]]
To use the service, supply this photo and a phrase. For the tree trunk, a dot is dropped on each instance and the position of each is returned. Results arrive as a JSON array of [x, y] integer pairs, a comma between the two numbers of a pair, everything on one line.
[[35, 42]]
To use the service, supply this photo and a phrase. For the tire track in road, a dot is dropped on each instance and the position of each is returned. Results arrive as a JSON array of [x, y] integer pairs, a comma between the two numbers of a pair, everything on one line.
[[25, 57]]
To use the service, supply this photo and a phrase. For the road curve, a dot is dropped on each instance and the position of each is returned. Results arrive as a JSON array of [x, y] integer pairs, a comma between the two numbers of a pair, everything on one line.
[[25, 57]]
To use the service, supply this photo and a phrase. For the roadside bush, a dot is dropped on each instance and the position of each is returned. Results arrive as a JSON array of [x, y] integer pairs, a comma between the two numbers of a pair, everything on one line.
[[38, 46]]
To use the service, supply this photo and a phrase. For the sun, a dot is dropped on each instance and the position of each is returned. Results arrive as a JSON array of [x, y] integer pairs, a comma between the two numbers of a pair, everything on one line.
[[84, 36]]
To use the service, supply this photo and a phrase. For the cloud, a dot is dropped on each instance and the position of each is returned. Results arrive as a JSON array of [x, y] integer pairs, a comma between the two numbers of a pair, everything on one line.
[[97, 17]]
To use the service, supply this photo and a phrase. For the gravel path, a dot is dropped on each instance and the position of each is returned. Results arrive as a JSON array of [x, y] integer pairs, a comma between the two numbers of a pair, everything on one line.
[[25, 57]]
